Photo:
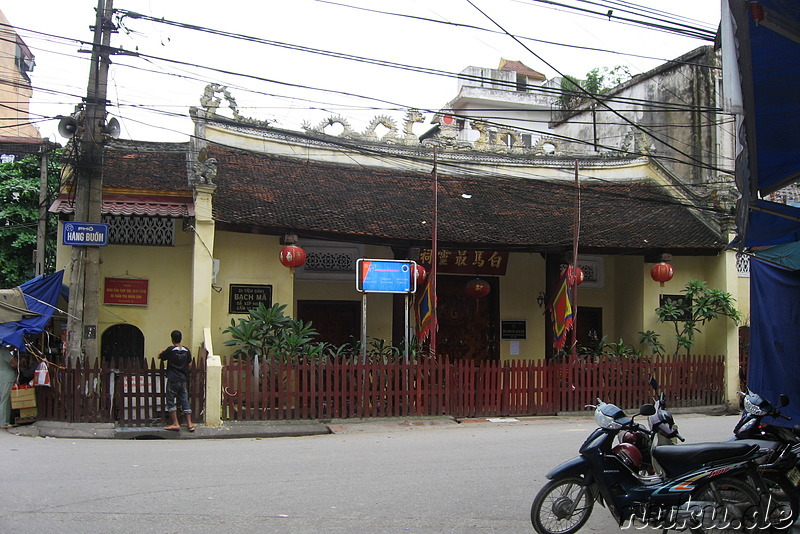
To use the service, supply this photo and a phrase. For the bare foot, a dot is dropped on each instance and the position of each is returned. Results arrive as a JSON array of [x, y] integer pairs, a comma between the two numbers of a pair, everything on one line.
[[172, 427]]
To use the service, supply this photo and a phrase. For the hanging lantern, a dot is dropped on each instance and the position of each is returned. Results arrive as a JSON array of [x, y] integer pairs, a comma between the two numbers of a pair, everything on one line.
[[662, 272], [420, 275], [292, 256], [576, 278], [478, 288]]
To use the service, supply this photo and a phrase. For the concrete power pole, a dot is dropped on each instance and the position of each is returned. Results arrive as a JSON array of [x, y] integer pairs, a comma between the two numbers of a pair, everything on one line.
[[85, 261], [41, 227]]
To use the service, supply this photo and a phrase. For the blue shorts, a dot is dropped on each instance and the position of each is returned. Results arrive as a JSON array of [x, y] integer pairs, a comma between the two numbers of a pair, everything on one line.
[[177, 391]]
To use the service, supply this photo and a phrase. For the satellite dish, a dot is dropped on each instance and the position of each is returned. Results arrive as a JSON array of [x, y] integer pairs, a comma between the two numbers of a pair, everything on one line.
[[112, 128], [67, 126]]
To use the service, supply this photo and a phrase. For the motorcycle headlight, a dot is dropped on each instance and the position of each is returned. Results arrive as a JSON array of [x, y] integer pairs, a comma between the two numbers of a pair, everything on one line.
[[753, 405], [610, 417]]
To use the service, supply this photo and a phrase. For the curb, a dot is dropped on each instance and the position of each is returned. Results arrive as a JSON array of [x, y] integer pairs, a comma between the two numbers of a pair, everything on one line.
[[228, 430]]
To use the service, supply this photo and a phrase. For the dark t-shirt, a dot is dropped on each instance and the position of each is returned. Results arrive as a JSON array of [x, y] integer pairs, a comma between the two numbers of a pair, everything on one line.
[[178, 359]]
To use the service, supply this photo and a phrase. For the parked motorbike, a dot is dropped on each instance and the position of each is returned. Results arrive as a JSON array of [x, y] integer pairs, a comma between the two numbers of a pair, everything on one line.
[[703, 487], [661, 431], [781, 470]]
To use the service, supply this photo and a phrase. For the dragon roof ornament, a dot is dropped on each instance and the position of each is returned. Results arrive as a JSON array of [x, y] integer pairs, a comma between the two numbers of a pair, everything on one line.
[[493, 138]]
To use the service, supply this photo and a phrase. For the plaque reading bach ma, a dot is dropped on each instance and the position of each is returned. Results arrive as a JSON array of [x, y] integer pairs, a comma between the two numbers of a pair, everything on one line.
[[245, 297]]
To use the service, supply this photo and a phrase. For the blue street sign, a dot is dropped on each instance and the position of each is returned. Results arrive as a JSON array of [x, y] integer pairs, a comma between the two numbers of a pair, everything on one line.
[[80, 234], [385, 276]]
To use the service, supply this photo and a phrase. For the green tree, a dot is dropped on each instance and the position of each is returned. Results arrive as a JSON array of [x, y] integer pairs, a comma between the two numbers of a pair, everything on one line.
[[598, 81], [19, 216], [700, 305]]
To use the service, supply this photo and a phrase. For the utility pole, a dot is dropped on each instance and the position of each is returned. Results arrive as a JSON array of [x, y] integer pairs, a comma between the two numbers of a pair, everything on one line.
[[85, 261], [41, 228]]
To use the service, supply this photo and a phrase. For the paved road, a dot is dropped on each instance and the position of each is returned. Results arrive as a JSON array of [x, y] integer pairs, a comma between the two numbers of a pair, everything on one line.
[[366, 478]]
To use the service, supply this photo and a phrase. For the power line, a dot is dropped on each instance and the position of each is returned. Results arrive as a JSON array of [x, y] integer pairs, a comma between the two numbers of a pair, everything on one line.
[[659, 24], [598, 99]]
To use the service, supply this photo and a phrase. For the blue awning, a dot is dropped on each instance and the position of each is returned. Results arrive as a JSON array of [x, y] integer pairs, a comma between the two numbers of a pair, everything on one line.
[[762, 49], [41, 296]]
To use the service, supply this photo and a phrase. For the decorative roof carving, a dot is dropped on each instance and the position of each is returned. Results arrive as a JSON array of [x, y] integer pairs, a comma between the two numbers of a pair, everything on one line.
[[210, 102]]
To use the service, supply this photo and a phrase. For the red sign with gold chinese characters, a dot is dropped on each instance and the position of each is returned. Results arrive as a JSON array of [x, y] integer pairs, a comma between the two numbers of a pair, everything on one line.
[[476, 262], [125, 291]]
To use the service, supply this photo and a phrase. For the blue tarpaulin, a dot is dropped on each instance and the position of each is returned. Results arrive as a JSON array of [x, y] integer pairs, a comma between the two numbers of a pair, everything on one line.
[[41, 296], [761, 41], [775, 336], [760, 46]]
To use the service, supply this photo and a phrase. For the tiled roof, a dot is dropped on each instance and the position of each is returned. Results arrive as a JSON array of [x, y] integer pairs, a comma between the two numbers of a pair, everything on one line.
[[141, 178], [279, 195], [134, 205], [146, 166], [520, 68]]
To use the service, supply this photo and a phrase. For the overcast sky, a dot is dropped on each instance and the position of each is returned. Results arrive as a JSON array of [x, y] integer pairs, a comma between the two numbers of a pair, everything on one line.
[[151, 97]]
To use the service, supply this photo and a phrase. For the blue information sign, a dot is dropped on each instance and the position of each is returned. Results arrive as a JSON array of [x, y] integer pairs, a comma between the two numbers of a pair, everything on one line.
[[85, 234], [385, 276]]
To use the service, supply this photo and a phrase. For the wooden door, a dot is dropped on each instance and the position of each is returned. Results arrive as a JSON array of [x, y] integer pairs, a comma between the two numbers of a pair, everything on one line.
[[337, 321], [468, 327]]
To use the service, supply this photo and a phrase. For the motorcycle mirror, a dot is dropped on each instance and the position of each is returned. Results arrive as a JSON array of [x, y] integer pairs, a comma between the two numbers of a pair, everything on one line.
[[783, 400], [647, 409]]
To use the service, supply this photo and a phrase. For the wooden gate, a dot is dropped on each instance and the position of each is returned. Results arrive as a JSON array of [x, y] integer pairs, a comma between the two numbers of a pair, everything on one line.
[[128, 392]]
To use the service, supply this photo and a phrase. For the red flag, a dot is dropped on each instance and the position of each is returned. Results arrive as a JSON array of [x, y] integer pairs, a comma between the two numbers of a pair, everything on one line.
[[423, 311], [561, 311]]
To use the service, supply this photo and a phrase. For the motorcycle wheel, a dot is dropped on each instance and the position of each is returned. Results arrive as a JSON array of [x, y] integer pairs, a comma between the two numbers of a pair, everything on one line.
[[783, 502], [562, 506], [734, 510]]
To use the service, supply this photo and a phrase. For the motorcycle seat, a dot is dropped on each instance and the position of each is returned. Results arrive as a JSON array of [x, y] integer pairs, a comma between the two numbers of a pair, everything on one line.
[[701, 453]]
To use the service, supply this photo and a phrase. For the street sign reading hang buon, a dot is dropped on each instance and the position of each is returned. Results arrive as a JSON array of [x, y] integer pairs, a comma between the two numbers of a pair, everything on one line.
[[79, 234], [385, 276]]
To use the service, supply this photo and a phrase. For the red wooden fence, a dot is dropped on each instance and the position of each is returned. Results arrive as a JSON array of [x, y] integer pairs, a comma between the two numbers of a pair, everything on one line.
[[128, 392], [463, 388], [131, 393]]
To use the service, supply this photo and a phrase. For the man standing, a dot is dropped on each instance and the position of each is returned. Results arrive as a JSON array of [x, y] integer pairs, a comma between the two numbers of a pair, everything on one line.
[[8, 375], [178, 359]]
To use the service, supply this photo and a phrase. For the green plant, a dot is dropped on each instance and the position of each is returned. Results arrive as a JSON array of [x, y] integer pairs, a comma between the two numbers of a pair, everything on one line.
[[650, 339], [379, 350], [269, 333], [593, 351], [619, 350], [700, 305]]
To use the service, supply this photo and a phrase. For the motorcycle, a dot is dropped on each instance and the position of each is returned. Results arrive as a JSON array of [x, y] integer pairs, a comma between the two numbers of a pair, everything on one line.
[[781, 472], [662, 431], [703, 487]]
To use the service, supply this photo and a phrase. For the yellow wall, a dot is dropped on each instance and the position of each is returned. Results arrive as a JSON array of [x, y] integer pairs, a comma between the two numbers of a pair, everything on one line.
[[519, 288], [253, 259], [628, 297], [716, 270], [169, 285], [628, 301]]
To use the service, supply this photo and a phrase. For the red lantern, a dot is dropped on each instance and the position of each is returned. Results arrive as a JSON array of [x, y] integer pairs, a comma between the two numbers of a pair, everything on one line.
[[578, 277], [292, 256], [420, 274], [478, 288], [662, 272]]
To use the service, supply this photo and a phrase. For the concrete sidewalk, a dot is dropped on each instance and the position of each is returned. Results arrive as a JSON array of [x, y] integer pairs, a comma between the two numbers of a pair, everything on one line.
[[228, 430], [277, 429]]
